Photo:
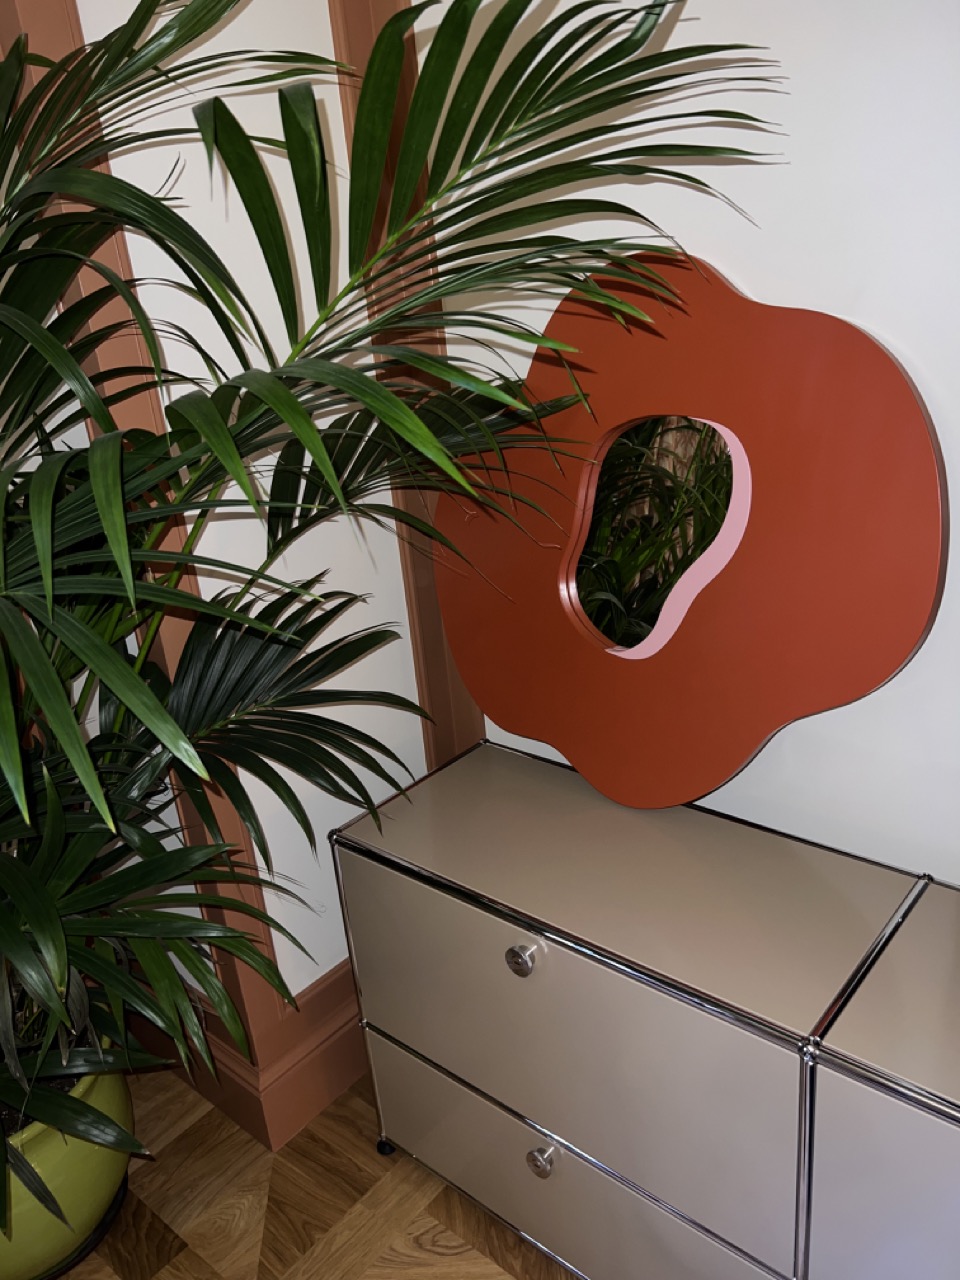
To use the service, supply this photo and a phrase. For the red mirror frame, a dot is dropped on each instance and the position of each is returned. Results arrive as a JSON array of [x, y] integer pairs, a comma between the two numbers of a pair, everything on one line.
[[823, 582]]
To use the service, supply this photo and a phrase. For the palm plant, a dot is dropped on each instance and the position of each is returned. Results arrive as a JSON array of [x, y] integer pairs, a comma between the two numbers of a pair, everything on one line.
[[103, 757], [662, 495]]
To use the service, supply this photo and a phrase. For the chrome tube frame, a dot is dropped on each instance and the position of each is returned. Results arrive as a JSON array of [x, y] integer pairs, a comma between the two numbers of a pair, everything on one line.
[[869, 958], [805, 1128]]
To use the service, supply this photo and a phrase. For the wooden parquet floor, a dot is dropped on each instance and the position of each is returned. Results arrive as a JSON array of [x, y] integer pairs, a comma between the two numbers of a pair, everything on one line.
[[214, 1204]]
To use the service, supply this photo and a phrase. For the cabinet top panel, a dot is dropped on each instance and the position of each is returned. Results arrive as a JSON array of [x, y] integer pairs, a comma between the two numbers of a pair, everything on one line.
[[758, 922], [904, 1018]]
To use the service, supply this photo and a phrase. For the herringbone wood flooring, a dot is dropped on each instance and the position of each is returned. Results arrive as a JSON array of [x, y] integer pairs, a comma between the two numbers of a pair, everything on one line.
[[215, 1205]]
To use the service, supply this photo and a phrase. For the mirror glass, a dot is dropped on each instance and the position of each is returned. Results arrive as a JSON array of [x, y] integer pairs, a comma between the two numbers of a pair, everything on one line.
[[662, 495]]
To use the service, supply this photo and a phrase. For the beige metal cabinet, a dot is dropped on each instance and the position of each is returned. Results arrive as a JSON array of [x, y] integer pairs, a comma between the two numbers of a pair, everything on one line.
[[638, 985]]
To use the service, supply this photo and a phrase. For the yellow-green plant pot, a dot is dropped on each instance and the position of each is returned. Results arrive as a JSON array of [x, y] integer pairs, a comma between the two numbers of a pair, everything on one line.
[[86, 1180]]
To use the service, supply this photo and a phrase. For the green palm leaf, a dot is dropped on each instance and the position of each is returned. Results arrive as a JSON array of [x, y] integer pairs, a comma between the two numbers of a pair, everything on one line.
[[222, 134], [42, 681], [307, 154], [114, 672], [470, 89], [371, 134], [426, 107], [71, 1116]]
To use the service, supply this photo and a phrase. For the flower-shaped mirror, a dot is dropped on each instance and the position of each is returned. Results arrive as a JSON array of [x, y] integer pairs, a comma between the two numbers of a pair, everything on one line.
[[816, 579]]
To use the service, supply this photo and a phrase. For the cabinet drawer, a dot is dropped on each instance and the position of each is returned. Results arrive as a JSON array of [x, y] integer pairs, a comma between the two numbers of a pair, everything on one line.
[[694, 1110], [580, 1214]]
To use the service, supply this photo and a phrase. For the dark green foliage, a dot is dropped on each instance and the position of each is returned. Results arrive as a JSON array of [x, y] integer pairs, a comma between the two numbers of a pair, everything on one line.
[[97, 746], [662, 494]]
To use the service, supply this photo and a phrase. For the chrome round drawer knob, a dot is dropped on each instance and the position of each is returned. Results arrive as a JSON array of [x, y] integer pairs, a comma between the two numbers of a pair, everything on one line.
[[540, 1161], [520, 960]]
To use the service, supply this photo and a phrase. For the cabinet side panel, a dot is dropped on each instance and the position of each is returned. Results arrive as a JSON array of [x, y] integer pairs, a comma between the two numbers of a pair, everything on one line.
[[885, 1179]]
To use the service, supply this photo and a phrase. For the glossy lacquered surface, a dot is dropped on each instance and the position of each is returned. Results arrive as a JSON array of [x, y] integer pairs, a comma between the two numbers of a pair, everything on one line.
[[691, 1108], [757, 921], [588, 1220]]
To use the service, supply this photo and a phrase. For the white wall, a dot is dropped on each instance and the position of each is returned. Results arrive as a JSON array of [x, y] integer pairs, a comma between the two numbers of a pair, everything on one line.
[[860, 218], [361, 560]]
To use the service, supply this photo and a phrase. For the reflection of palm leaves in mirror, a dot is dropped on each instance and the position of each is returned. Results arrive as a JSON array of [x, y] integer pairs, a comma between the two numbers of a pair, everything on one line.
[[662, 495]]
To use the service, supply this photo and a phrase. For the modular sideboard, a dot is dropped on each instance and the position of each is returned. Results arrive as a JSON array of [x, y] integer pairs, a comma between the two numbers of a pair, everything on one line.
[[663, 1045]]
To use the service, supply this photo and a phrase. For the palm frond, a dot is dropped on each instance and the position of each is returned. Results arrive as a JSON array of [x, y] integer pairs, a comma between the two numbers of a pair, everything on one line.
[[498, 163]]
